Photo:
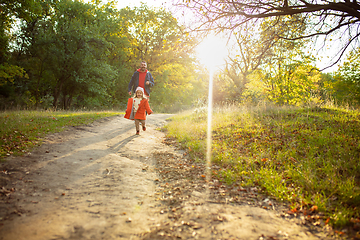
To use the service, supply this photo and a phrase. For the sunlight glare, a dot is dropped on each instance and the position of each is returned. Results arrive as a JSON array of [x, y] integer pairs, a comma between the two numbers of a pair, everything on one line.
[[209, 134], [212, 52]]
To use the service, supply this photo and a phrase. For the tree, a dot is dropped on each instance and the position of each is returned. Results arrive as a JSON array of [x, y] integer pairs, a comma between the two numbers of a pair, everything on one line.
[[156, 37], [280, 69], [346, 89], [255, 48], [328, 87], [290, 76], [67, 53], [10, 10], [30, 52], [248, 55], [292, 82], [120, 55], [330, 19]]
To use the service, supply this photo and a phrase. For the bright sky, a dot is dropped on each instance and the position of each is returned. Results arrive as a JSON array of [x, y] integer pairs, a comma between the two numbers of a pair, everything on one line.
[[137, 3]]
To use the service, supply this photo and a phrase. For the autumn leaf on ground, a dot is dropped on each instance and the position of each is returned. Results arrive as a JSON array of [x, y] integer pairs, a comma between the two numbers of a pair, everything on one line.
[[314, 208], [294, 210]]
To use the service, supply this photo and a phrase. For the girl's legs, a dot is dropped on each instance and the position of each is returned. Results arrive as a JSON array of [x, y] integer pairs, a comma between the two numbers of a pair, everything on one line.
[[137, 125], [143, 125]]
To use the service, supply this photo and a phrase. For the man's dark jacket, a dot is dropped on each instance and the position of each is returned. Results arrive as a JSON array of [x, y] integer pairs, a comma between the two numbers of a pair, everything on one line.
[[134, 82]]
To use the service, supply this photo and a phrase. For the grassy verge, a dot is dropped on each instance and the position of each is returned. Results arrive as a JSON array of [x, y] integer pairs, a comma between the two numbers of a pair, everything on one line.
[[308, 157], [20, 131]]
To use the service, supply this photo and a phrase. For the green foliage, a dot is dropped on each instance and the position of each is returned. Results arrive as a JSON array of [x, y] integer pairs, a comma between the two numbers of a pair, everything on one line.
[[289, 75], [66, 54], [156, 36], [71, 54], [78, 42], [256, 90], [177, 87], [346, 89], [10, 11], [269, 67], [9, 72], [293, 82], [327, 87], [20, 131], [306, 156]]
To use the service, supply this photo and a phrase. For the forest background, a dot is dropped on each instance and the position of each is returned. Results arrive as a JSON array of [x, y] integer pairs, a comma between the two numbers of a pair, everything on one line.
[[77, 55]]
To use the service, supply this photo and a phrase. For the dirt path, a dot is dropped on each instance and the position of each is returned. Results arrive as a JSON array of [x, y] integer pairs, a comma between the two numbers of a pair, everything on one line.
[[101, 181]]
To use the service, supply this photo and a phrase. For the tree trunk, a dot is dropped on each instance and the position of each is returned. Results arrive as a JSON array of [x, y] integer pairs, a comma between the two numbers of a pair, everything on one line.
[[57, 92]]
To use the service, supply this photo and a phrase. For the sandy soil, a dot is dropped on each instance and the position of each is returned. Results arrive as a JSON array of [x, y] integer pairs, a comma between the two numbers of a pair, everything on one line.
[[101, 181]]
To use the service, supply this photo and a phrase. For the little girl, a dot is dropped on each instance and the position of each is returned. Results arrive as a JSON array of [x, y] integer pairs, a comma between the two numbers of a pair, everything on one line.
[[137, 108]]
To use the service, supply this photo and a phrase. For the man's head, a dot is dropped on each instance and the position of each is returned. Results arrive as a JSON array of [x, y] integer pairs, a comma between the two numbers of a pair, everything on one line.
[[143, 66]]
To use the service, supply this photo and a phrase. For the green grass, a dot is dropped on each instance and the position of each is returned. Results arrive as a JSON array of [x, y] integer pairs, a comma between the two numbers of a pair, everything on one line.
[[20, 131], [308, 157]]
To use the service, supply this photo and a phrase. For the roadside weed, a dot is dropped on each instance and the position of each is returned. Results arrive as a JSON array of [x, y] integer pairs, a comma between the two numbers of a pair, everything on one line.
[[20, 131], [306, 156]]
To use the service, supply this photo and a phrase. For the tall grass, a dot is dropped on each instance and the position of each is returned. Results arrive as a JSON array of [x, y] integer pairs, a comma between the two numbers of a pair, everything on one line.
[[307, 156], [20, 131]]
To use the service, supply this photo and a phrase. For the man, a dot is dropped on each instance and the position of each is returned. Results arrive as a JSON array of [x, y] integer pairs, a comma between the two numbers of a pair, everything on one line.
[[141, 78]]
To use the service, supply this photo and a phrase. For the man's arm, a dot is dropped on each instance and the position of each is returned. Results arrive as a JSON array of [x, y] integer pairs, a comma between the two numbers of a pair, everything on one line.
[[151, 81], [131, 83]]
